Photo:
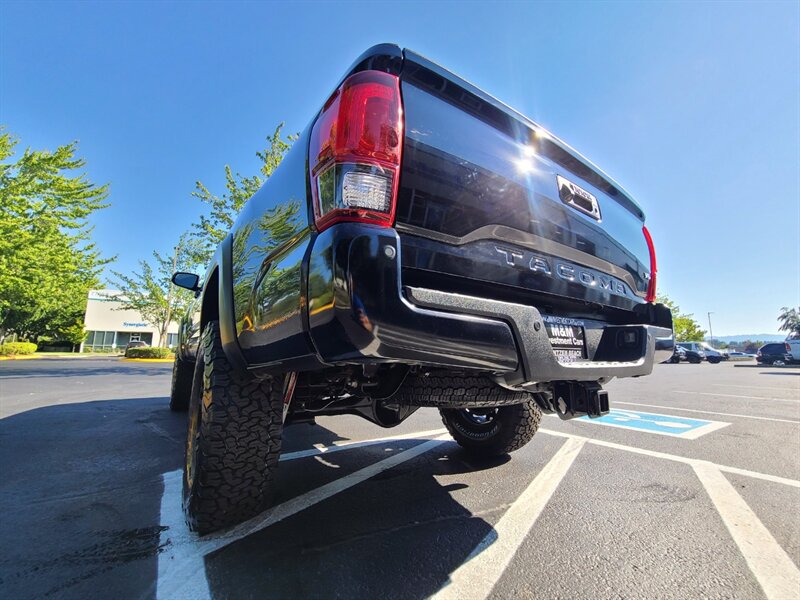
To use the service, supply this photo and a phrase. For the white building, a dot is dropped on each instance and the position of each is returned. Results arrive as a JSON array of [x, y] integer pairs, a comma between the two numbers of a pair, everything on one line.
[[108, 327]]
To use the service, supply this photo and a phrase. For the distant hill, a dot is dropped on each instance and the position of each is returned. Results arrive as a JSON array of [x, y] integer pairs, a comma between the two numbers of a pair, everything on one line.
[[753, 337]]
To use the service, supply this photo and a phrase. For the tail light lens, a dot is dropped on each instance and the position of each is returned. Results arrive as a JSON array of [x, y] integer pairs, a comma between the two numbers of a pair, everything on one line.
[[355, 150], [651, 286], [788, 348]]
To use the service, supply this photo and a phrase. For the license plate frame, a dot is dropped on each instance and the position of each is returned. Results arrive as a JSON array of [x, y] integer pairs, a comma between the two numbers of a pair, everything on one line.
[[567, 337]]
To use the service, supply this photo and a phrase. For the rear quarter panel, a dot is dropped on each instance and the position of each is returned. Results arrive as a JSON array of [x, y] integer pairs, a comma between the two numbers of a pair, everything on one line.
[[269, 242]]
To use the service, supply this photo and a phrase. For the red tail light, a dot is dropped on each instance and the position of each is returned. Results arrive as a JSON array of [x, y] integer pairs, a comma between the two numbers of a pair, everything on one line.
[[355, 150], [651, 287]]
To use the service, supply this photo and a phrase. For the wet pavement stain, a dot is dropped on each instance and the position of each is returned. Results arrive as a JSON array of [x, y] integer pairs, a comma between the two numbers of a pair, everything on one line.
[[114, 548]]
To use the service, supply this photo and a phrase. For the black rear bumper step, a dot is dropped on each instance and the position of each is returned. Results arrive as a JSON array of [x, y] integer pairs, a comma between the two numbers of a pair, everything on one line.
[[359, 312]]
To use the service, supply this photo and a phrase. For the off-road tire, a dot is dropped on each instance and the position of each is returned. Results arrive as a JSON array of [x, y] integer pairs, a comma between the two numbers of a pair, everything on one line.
[[181, 390], [694, 361], [445, 391], [510, 429], [233, 441], [714, 360]]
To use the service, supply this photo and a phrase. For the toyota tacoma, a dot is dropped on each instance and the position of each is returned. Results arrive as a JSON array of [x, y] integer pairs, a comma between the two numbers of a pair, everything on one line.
[[421, 245]]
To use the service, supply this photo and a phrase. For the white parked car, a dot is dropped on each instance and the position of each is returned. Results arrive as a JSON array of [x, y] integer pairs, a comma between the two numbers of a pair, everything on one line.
[[734, 355], [793, 347]]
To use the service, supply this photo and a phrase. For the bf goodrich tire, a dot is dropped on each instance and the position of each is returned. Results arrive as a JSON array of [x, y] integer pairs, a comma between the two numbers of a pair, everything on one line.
[[233, 441], [496, 431], [181, 391], [446, 391]]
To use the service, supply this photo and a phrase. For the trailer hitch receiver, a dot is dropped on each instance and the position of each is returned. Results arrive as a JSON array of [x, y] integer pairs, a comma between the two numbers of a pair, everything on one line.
[[571, 399]]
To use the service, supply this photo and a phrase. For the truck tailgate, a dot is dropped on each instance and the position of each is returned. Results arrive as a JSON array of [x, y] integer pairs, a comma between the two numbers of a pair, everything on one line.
[[488, 196]]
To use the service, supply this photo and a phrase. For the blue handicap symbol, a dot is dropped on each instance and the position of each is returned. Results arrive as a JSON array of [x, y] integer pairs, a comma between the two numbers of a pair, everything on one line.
[[651, 422]]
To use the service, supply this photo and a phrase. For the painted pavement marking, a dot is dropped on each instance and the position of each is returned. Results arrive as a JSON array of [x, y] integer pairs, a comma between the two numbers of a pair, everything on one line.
[[485, 565], [181, 562], [677, 458], [709, 412], [758, 387], [773, 569], [736, 396], [350, 445], [659, 424]]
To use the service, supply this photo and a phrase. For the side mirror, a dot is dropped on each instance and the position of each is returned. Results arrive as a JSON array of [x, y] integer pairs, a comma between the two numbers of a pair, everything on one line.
[[190, 281]]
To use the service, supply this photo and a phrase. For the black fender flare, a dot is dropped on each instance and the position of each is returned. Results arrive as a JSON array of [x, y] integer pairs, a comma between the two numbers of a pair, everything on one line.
[[223, 266]]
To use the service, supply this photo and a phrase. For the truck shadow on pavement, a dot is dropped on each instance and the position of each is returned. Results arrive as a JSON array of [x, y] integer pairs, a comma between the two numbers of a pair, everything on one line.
[[397, 535], [82, 486], [79, 495]]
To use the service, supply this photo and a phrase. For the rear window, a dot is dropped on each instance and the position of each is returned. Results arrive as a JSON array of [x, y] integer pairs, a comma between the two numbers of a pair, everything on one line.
[[774, 348]]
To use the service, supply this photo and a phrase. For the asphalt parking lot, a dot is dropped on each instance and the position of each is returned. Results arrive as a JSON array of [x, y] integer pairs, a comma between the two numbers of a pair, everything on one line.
[[691, 488]]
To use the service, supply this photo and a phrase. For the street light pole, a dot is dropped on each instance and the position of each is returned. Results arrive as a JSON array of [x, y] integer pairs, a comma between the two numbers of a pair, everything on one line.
[[710, 331]]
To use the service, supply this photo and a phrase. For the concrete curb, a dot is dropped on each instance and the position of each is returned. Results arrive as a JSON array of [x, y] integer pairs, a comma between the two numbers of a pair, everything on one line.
[[150, 360], [760, 366]]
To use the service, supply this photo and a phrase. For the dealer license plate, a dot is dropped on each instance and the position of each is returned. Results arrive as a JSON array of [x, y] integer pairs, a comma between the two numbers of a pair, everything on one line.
[[567, 336]]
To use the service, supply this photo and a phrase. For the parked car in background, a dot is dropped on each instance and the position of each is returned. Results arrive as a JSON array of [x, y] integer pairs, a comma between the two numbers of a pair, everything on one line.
[[710, 350], [793, 347], [773, 354], [705, 350], [682, 354], [740, 356]]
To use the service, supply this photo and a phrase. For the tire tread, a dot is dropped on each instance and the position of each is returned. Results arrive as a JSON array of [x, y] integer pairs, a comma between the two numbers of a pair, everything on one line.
[[239, 441], [447, 391]]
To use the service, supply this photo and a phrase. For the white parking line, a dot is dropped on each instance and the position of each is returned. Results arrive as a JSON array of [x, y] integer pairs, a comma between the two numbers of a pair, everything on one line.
[[734, 396], [349, 445], [758, 387], [677, 458], [176, 548], [181, 562], [709, 412], [181, 572], [477, 576], [772, 567]]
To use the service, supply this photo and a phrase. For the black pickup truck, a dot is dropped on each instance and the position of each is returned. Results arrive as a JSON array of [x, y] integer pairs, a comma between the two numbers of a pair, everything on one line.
[[421, 245]]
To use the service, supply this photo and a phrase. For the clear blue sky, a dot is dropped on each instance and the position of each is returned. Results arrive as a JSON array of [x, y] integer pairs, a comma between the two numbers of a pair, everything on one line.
[[694, 108]]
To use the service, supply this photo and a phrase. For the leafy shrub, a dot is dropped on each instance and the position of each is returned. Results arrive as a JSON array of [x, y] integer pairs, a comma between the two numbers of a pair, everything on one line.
[[148, 352], [17, 348], [56, 346]]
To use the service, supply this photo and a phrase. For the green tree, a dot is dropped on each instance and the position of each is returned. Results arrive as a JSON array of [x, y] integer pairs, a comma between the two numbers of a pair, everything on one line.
[[685, 327], [152, 294], [789, 318], [751, 347], [212, 228], [47, 260]]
